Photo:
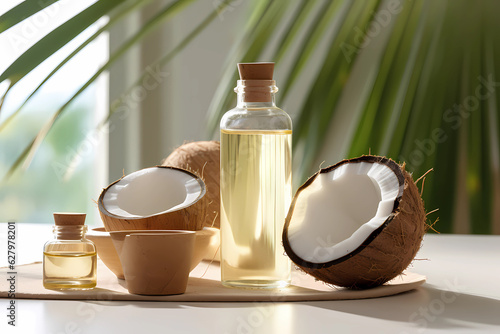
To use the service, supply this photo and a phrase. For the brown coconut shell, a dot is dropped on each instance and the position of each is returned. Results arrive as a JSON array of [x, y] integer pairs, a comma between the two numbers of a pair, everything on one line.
[[387, 252], [203, 159], [190, 218]]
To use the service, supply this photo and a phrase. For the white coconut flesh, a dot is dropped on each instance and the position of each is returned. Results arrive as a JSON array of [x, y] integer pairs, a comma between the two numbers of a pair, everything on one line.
[[152, 191], [340, 209]]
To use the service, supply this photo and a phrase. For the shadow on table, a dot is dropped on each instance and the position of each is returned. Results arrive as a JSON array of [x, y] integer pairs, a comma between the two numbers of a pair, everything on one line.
[[426, 307]]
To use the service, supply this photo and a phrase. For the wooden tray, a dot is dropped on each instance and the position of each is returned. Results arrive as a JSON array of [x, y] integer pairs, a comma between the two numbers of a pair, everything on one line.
[[204, 286]]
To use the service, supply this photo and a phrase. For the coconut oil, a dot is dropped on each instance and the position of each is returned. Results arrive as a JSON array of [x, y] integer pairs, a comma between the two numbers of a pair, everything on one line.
[[63, 270], [256, 188]]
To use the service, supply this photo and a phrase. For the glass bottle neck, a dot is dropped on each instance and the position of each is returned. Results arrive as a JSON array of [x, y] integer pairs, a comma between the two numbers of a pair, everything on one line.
[[256, 93], [69, 232], [242, 103]]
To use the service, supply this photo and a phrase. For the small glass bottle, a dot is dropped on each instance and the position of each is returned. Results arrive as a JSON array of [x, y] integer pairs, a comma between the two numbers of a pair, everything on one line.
[[255, 183], [69, 260]]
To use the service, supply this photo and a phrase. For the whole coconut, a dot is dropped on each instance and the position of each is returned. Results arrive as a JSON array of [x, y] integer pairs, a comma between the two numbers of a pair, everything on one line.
[[203, 159]]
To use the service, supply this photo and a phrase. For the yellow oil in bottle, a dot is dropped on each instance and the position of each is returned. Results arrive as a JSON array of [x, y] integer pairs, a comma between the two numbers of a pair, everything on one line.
[[256, 191], [63, 270]]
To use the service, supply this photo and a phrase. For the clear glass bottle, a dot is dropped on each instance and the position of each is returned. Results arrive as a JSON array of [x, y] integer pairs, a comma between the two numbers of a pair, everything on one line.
[[69, 260], [256, 183]]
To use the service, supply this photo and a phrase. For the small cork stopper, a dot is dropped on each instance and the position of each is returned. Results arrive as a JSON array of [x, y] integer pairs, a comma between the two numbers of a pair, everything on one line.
[[256, 71], [257, 80], [69, 218]]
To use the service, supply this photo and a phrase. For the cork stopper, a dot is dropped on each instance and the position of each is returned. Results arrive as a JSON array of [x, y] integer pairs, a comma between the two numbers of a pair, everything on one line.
[[256, 84], [256, 71], [69, 219]]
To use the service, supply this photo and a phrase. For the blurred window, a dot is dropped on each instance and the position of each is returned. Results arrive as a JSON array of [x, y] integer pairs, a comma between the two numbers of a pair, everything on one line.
[[69, 169]]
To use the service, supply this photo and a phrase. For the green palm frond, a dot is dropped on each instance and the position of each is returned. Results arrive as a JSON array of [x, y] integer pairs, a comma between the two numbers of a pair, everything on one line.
[[122, 11], [321, 22], [24, 157], [55, 40], [431, 63], [21, 12], [167, 12]]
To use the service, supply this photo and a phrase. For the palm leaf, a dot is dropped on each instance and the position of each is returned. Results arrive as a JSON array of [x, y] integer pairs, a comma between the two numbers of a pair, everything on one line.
[[320, 23], [115, 17], [437, 94], [362, 143], [325, 92], [494, 131], [405, 66], [56, 39], [28, 153], [293, 29], [21, 12], [419, 79], [478, 176]]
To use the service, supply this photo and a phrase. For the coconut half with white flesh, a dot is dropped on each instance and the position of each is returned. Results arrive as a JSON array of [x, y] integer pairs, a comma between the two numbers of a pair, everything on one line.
[[155, 198], [356, 224]]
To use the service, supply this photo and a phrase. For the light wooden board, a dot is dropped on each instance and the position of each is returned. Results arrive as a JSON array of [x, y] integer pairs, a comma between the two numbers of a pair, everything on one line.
[[204, 286]]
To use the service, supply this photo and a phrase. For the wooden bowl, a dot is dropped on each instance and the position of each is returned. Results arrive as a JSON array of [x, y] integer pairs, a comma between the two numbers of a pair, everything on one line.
[[203, 247], [155, 263]]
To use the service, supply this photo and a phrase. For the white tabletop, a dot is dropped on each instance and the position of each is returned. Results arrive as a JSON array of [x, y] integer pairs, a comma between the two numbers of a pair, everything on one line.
[[462, 295]]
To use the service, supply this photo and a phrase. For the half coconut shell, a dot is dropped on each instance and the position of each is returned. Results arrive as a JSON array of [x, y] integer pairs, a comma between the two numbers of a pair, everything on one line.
[[155, 198], [356, 224]]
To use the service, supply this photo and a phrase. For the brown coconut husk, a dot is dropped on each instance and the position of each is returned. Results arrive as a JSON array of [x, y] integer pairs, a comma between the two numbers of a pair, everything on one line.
[[387, 252], [203, 159]]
